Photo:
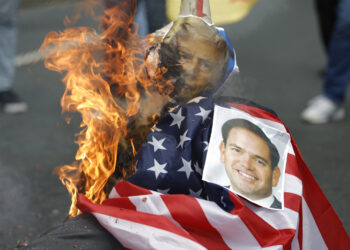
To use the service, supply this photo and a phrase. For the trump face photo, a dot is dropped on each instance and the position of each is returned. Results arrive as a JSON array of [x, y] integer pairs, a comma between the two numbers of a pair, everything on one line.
[[252, 163]]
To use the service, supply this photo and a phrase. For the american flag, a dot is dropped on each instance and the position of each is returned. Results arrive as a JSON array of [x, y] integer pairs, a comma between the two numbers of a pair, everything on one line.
[[166, 205]]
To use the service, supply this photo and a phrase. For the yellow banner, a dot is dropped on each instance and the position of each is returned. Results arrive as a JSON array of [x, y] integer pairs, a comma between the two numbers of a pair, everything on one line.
[[222, 11]]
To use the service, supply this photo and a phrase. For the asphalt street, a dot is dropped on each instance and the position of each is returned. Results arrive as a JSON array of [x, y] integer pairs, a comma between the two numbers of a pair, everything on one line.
[[280, 57]]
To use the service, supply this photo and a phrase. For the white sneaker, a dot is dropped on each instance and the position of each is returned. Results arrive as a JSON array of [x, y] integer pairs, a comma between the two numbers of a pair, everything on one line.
[[10, 103], [321, 110]]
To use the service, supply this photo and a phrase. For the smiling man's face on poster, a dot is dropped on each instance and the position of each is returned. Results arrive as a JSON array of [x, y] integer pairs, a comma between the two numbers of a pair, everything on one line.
[[247, 160], [247, 155]]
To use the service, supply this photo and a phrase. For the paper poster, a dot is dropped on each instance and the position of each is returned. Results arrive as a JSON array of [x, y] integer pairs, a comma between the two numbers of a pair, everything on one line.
[[247, 156]]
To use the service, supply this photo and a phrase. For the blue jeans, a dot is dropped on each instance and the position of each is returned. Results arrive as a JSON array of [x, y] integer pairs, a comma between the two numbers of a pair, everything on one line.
[[338, 68], [8, 11]]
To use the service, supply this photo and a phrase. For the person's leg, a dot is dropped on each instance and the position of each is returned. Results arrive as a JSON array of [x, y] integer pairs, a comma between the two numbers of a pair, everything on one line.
[[329, 105], [9, 101], [141, 19], [8, 9], [338, 70], [326, 14]]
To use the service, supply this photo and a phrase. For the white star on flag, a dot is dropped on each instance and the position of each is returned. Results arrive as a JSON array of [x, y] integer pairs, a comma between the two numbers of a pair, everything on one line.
[[183, 139], [158, 168], [177, 118], [157, 144], [222, 201], [163, 191], [197, 99], [195, 194], [206, 145], [198, 169], [186, 167], [203, 113], [155, 129]]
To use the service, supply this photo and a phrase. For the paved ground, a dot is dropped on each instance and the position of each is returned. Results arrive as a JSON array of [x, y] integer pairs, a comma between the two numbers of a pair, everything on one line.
[[279, 54]]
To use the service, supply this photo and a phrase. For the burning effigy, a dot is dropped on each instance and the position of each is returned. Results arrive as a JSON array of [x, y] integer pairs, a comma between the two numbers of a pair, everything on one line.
[[121, 85], [161, 162]]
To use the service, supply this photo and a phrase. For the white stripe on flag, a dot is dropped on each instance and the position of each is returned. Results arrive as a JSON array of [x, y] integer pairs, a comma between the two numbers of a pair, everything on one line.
[[290, 149], [231, 228], [276, 125], [278, 219], [295, 242], [312, 238], [113, 194], [293, 184], [273, 248], [139, 236], [152, 204]]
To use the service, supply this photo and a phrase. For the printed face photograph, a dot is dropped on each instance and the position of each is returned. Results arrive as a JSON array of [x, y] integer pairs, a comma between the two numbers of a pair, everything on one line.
[[248, 164], [250, 160]]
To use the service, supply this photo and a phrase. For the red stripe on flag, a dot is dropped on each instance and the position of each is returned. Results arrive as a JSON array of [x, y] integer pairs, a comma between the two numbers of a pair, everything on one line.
[[329, 225], [152, 220], [188, 213], [288, 246], [199, 8], [265, 234], [292, 201], [125, 189], [120, 203], [256, 112], [292, 166]]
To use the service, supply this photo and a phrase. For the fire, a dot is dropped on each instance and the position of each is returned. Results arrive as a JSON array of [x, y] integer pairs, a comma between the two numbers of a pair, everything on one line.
[[106, 82]]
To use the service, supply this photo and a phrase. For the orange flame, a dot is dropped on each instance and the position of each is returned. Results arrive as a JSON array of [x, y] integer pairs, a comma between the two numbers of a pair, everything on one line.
[[104, 77]]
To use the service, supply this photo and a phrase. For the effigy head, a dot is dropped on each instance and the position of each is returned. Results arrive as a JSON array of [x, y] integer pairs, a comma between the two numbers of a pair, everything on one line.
[[195, 55]]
